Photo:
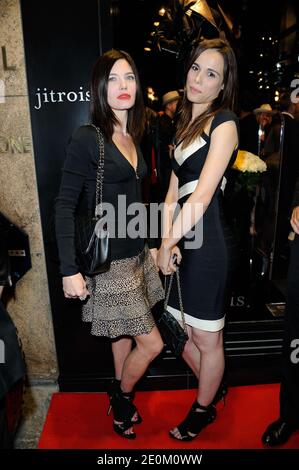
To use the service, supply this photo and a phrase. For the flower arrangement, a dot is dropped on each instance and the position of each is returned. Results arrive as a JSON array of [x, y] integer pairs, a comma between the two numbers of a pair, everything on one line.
[[250, 166], [247, 161]]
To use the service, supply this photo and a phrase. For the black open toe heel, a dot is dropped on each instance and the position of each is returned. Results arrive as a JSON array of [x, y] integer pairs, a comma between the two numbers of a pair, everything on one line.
[[123, 411], [136, 419], [221, 393], [114, 389], [194, 422]]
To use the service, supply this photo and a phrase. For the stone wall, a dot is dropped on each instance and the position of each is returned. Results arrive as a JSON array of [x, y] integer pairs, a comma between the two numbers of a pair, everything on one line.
[[30, 309]]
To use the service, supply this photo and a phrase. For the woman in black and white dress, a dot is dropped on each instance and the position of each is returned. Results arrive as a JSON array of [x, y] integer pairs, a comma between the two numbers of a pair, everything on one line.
[[207, 140]]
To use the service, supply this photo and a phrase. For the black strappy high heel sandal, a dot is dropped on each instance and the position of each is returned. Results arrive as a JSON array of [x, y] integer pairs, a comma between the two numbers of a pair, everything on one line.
[[123, 411], [194, 422], [115, 388]]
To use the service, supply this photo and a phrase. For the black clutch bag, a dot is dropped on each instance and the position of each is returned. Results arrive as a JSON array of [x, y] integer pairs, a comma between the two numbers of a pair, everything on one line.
[[173, 334]]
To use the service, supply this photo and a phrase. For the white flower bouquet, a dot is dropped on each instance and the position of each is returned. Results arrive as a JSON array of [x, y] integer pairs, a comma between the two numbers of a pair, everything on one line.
[[250, 166], [247, 161]]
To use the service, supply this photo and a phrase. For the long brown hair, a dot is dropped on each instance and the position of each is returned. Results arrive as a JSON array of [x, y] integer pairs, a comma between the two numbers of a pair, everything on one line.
[[101, 113], [188, 131]]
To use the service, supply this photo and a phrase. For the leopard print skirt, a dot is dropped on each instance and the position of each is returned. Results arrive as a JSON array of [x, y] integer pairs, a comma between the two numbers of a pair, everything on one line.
[[121, 299]]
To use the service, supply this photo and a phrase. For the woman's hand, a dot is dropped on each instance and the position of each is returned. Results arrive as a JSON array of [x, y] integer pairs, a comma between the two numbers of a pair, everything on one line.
[[176, 258], [295, 220], [163, 259], [74, 287], [154, 254]]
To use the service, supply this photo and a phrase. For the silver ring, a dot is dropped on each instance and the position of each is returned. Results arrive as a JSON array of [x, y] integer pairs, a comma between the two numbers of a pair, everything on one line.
[[82, 297]]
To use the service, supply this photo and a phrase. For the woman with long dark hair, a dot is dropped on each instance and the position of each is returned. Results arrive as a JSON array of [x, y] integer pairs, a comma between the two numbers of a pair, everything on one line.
[[120, 300], [207, 141]]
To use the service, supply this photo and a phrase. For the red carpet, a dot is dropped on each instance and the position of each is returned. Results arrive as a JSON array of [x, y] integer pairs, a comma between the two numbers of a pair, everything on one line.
[[80, 421]]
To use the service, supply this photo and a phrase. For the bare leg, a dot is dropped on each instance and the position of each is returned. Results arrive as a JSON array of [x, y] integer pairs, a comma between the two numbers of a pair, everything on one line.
[[191, 354], [130, 364], [210, 346], [212, 364], [192, 357], [121, 348], [147, 348]]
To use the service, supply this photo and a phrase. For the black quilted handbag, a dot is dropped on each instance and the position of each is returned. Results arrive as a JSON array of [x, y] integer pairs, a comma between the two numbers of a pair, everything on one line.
[[174, 335], [92, 241], [92, 245]]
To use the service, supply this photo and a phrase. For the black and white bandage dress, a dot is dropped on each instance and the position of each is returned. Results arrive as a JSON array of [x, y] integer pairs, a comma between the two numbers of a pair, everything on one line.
[[203, 270]]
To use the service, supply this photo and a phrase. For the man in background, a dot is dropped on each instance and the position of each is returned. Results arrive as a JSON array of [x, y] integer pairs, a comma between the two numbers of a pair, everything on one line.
[[254, 129], [280, 430], [166, 133]]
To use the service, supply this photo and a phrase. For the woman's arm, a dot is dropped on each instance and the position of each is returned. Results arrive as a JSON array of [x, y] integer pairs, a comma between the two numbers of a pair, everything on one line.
[[70, 189], [169, 205], [75, 173], [224, 140], [168, 209]]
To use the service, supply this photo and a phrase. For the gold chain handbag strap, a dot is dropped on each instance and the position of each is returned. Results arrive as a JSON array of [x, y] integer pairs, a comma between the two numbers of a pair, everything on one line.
[[179, 294]]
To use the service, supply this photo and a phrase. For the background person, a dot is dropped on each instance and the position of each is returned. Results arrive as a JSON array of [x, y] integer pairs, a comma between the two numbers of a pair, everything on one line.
[[279, 431], [166, 132]]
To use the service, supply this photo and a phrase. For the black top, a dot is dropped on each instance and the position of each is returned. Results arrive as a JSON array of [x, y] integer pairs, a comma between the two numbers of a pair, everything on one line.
[[77, 194], [187, 173]]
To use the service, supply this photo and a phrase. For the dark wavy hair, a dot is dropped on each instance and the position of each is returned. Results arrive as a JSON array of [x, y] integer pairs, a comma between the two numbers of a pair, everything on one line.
[[101, 113], [189, 131]]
